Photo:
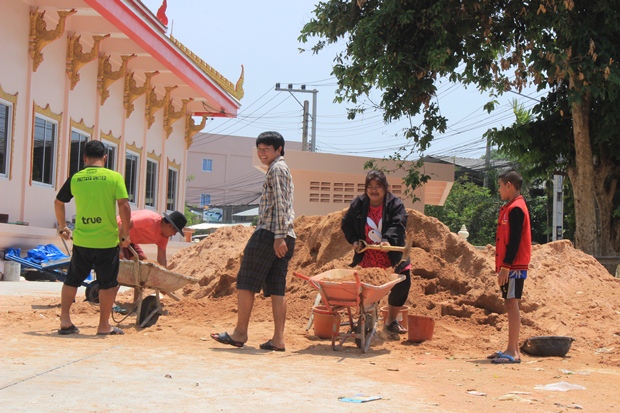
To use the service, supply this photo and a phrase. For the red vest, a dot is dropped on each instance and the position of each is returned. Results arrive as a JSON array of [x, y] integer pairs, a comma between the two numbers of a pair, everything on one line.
[[524, 253]]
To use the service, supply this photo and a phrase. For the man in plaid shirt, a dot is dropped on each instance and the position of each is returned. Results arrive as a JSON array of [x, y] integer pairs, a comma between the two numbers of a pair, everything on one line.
[[270, 248]]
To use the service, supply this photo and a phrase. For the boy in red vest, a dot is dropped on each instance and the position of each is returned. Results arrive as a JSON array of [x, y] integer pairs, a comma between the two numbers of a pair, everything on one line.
[[513, 249]]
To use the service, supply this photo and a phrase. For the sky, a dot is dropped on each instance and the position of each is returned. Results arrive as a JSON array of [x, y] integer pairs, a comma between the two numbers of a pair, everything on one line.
[[262, 36]]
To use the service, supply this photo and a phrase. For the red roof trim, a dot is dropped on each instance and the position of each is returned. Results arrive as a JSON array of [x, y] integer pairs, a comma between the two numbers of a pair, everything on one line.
[[159, 46]]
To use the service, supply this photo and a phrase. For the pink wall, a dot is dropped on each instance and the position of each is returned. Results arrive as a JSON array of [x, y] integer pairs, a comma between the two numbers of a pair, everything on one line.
[[324, 183]]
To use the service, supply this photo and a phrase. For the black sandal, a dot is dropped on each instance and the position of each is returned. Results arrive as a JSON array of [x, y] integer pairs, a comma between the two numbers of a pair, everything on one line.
[[395, 327]]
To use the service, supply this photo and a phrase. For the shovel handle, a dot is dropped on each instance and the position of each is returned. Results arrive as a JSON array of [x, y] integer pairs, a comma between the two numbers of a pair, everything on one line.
[[365, 246]]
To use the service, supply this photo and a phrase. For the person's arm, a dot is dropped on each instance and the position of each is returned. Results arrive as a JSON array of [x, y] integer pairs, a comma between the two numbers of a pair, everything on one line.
[[396, 225], [161, 256], [124, 211], [282, 205], [63, 196], [515, 223], [59, 210], [348, 223]]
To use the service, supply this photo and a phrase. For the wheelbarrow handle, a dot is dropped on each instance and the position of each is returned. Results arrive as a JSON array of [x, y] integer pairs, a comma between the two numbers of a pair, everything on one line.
[[365, 246], [303, 277], [135, 254]]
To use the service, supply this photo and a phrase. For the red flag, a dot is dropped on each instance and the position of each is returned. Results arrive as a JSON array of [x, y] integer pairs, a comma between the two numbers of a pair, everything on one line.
[[161, 14]]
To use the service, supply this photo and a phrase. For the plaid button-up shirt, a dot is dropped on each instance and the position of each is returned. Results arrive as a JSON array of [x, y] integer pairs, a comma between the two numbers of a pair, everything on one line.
[[275, 211]]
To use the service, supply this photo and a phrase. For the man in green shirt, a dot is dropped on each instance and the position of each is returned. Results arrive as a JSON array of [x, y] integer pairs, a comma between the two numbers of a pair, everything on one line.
[[97, 190]]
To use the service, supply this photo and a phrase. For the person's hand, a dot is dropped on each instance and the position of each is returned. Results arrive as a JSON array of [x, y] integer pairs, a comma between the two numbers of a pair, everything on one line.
[[502, 276], [124, 239], [384, 244], [65, 233], [279, 247]]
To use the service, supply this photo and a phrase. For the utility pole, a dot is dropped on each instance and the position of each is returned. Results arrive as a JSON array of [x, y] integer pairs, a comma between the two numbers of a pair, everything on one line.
[[558, 208], [302, 89], [304, 130], [487, 164]]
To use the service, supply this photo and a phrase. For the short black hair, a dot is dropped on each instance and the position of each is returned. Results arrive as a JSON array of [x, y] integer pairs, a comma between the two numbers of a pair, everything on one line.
[[513, 177], [95, 149], [271, 138], [377, 176]]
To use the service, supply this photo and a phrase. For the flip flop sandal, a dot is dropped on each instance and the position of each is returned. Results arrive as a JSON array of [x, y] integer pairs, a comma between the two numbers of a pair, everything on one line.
[[495, 355], [269, 346], [224, 338], [68, 330], [505, 359], [115, 332]]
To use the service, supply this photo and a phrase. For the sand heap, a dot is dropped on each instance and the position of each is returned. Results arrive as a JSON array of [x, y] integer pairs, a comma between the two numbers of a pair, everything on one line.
[[567, 292]]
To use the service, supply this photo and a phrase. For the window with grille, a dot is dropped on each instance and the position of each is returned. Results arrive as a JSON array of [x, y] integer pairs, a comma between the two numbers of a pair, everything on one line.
[[132, 163], [111, 150], [5, 136], [171, 189], [150, 198], [44, 147], [205, 200], [76, 152]]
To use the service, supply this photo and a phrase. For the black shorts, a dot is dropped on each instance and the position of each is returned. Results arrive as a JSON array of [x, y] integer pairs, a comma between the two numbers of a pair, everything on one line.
[[513, 289], [103, 261], [260, 268]]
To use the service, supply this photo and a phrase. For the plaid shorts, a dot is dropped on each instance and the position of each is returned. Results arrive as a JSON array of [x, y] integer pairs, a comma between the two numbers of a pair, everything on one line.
[[260, 268]]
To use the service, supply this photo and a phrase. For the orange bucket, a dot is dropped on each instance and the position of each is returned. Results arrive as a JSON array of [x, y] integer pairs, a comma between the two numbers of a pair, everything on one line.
[[402, 315], [420, 328], [325, 322]]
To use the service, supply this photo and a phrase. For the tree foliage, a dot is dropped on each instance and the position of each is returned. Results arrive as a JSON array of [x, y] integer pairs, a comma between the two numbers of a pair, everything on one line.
[[470, 205], [566, 47], [477, 208]]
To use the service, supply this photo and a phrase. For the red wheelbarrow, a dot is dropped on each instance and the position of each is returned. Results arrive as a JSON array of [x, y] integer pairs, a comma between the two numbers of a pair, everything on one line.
[[341, 290]]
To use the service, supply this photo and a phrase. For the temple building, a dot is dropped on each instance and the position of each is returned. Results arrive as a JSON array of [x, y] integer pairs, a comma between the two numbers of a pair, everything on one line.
[[76, 70]]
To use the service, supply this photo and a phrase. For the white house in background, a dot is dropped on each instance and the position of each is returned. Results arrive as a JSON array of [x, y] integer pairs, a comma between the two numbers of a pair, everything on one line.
[[75, 70], [225, 170]]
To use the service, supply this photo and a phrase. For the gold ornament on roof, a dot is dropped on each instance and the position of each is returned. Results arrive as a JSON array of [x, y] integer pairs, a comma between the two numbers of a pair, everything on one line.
[[170, 116], [76, 58], [153, 105], [192, 129], [40, 37], [106, 76], [235, 90], [132, 92]]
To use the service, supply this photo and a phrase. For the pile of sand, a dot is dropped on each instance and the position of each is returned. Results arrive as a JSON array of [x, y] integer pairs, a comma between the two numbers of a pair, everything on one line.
[[567, 292]]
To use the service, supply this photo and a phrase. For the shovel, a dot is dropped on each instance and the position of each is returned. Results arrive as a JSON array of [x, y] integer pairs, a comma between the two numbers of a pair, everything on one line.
[[365, 246]]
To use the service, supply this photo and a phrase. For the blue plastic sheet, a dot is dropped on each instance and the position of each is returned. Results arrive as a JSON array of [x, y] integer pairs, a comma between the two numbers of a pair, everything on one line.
[[45, 253]]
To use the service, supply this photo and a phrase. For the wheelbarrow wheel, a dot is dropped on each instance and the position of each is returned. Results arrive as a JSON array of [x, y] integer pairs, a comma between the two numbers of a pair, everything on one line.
[[369, 325], [149, 305], [92, 292]]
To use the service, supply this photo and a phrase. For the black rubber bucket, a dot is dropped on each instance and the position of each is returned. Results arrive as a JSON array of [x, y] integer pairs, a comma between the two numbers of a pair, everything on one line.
[[547, 346]]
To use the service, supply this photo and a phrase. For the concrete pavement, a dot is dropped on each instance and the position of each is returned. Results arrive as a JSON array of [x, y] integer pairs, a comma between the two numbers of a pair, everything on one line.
[[44, 372]]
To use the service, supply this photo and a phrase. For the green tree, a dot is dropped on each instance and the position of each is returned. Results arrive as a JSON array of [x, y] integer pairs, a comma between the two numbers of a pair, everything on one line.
[[192, 218], [470, 205], [477, 208], [570, 48]]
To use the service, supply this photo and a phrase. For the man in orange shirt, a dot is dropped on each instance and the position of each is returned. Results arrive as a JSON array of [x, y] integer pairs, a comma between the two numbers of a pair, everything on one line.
[[148, 227]]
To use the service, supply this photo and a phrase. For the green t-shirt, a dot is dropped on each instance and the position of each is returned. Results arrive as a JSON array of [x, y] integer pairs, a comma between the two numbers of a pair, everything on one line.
[[96, 191]]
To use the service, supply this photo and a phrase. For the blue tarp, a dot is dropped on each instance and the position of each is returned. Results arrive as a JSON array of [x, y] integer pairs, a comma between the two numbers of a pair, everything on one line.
[[39, 255]]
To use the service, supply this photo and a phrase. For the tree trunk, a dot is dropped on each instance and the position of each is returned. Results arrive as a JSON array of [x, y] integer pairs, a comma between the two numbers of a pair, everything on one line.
[[605, 189], [582, 177]]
